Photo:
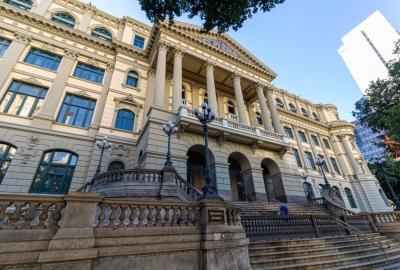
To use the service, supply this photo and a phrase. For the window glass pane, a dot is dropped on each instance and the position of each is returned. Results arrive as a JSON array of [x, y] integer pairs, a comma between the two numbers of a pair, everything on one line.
[[25, 110], [38, 106], [62, 113], [56, 169], [29, 58], [46, 157], [29, 89], [5, 101], [3, 148], [47, 183], [11, 152], [16, 103], [39, 60], [61, 157], [67, 181], [73, 160], [85, 74], [71, 115], [38, 179], [3, 169], [88, 118], [80, 117], [56, 184]]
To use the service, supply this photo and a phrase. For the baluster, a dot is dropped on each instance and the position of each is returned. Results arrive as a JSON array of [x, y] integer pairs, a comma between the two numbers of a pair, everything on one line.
[[235, 217], [196, 216], [239, 219], [141, 216], [229, 216], [49, 218], [112, 216], [158, 217], [132, 216], [13, 217], [56, 216], [43, 215], [186, 215], [102, 215], [29, 216], [149, 216], [173, 219], [122, 217]]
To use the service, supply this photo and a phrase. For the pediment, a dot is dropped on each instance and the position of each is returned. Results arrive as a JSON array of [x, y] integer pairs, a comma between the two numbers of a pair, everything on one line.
[[128, 100]]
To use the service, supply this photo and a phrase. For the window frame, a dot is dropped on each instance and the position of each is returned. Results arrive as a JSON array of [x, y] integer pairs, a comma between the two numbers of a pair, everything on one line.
[[4, 158], [231, 104], [297, 158], [133, 76], [67, 110], [114, 162], [335, 165], [3, 44], [279, 103], [20, 4], [62, 21], [130, 104], [310, 160], [44, 54], [302, 136], [315, 116], [350, 197], [326, 143], [259, 119], [288, 132], [292, 108], [119, 117], [304, 112], [100, 35], [134, 41], [82, 66], [325, 166], [308, 186], [315, 140], [339, 193]]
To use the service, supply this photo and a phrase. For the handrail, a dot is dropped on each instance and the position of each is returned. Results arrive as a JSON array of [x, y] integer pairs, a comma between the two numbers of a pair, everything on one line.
[[186, 183], [320, 200], [190, 191], [368, 237], [251, 196], [336, 208]]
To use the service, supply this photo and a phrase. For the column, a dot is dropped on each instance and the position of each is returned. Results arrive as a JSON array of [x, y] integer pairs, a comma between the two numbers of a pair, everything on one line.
[[349, 154], [84, 23], [177, 87], [101, 103], [300, 146], [327, 158], [239, 98], [42, 7], [159, 86], [195, 95], [274, 113], [54, 94], [12, 55], [263, 106], [212, 96]]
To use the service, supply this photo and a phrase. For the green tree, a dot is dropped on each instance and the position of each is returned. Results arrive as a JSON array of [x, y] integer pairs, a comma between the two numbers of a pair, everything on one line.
[[392, 171], [379, 109], [222, 14]]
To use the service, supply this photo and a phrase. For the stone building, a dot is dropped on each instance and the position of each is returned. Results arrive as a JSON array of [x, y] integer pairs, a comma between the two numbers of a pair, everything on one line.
[[72, 74]]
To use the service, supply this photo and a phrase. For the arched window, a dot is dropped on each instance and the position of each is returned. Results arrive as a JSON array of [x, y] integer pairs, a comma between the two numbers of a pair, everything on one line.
[[183, 92], [385, 199], [22, 4], [102, 34], [205, 97], [132, 79], [125, 120], [7, 153], [64, 19], [231, 107], [315, 116], [55, 172], [279, 103], [338, 192], [304, 112], [116, 165], [308, 189], [321, 190], [350, 198], [259, 118], [292, 108]]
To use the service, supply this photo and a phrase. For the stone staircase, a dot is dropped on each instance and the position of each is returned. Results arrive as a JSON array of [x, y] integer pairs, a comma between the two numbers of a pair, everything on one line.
[[269, 208], [341, 252]]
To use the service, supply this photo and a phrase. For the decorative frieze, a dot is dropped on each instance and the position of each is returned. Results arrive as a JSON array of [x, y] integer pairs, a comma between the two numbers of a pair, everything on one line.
[[70, 53], [20, 37]]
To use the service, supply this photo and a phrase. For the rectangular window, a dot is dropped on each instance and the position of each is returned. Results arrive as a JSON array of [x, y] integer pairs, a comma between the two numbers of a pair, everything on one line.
[[76, 111], [297, 158], [43, 59], [310, 160], [326, 143], [302, 136], [335, 166], [325, 167], [315, 140], [89, 73], [288, 132], [4, 44], [23, 99], [138, 42]]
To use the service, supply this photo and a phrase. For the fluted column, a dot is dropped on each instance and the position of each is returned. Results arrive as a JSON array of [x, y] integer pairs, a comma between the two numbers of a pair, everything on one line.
[[212, 96], [12, 55], [274, 113], [263, 106], [239, 98], [159, 86], [177, 87], [101, 103], [48, 109], [300, 146], [349, 154]]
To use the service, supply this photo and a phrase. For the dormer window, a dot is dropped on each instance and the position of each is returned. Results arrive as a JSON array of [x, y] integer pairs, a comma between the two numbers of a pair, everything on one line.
[[292, 108], [64, 19], [315, 116], [279, 103], [304, 112], [102, 33], [138, 42], [21, 4]]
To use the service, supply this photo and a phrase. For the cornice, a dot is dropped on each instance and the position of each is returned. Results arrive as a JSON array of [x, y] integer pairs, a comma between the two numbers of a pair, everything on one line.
[[341, 124], [301, 118]]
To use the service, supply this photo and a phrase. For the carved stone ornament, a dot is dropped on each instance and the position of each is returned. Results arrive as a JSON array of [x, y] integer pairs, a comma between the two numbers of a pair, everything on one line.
[[181, 129], [151, 72], [31, 80], [34, 140], [256, 145], [120, 150], [236, 77], [48, 47], [194, 86], [283, 151], [178, 51], [110, 66], [222, 138], [81, 93], [162, 45], [168, 76], [20, 37], [70, 53], [220, 45], [209, 65], [26, 154], [92, 61], [259, 86]]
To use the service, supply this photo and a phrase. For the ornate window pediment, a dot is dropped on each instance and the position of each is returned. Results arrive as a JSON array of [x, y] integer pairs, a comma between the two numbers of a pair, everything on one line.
[[128, 103]]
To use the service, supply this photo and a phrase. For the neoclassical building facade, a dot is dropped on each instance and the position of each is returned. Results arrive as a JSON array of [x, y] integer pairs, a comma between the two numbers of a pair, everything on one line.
[[72, 74]]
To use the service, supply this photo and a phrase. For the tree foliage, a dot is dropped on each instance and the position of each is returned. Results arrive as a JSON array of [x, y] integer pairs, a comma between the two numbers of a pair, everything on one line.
[[379, 109], [392, 171], [219, 14]]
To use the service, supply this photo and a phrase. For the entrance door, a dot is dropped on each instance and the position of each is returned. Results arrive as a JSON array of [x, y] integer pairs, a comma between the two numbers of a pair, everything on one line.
[[237, 185]]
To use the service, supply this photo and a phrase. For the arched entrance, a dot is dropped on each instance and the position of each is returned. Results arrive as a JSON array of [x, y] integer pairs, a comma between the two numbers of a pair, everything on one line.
[[240, 177], [196, 164], [273, 180]]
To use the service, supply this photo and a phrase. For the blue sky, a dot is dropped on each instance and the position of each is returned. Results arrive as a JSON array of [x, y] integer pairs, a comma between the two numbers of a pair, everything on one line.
[[299, 40]]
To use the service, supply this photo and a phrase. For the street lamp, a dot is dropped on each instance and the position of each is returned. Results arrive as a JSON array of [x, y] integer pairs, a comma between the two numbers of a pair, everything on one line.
[[103, 146], [304, 177], [380, 163], [207, 116], [320, 162], [169, 129]]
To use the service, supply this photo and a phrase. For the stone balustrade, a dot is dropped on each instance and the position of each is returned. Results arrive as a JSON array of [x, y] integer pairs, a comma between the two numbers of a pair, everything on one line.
[[142, 175], [235, 125], [192, 192], [388, 217], [233, 117]]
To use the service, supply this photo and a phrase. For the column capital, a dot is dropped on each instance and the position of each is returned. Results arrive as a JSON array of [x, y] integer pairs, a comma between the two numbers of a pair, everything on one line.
[[194, 86], [110, 66], [236, 76], [162, 45], [151, 72], [259, 86], [269, 89], [178, 51], [169, 76], [70, 53], [22, 38], [209, 65]]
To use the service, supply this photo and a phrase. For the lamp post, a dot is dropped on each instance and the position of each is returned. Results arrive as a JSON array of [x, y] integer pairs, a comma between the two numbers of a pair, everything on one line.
[[320, 162], [380, 163], [103, 146], [207, 116], [169, 129], [304, 177]]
